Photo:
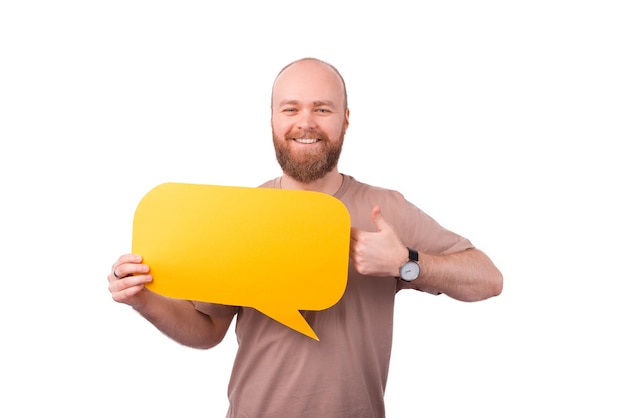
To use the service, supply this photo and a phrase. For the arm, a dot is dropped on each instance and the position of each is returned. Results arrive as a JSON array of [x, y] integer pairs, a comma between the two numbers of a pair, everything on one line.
[[467, 275], [178, 319]]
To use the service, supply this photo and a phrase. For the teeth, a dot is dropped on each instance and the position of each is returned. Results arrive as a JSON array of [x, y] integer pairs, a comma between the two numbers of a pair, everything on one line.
[[305, 140]]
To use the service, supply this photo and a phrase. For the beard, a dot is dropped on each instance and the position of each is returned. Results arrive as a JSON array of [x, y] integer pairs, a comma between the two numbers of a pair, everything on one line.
[[308, 166]]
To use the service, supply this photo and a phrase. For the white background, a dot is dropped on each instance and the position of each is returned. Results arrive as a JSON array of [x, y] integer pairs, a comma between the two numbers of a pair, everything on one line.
[[503, 120]]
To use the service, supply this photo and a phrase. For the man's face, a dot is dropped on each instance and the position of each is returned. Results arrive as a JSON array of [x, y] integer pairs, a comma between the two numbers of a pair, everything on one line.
[[309, 120]]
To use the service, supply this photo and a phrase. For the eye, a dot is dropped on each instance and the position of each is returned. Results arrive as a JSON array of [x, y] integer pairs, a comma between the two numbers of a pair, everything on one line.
[[323, 110]]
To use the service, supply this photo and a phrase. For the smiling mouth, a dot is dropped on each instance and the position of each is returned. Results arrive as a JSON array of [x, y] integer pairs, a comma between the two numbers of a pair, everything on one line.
[[306, 140]]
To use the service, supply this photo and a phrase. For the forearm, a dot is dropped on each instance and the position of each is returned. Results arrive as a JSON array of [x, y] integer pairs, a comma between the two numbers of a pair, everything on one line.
[[467, 275], [179, 320]]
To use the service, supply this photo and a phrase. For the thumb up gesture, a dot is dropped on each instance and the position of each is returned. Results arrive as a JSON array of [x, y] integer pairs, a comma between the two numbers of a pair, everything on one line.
[[379, 253]]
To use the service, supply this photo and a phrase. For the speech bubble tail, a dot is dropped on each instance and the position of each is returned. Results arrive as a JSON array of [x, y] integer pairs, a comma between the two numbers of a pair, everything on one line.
[[291, 318]]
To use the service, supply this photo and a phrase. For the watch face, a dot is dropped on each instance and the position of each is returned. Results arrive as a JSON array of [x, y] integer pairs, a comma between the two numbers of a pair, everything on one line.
[[409, 270]]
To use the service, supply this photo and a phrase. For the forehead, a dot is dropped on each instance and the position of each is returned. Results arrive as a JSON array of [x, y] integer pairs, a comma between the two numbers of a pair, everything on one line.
[[308, 82]]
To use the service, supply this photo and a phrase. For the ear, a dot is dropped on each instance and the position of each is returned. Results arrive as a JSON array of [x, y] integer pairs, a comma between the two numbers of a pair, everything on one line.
[[347, 121]]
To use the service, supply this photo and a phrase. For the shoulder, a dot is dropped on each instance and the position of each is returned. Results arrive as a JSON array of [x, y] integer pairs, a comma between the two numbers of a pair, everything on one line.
[[353, 189], [360, 199], [271, 184]]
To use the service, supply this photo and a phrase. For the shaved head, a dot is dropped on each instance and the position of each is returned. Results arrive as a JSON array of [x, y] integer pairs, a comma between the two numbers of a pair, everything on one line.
[[323, 63]]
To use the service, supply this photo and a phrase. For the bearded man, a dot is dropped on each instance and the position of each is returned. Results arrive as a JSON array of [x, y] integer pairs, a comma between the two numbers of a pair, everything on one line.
[[394, 246]]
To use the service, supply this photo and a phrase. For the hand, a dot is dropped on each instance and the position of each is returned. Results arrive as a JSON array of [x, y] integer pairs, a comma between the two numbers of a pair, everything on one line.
[[379, 253], [127, 279]]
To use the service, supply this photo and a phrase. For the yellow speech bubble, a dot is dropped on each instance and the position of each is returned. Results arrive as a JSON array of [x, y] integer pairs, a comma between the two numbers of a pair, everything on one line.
[[278, 251]]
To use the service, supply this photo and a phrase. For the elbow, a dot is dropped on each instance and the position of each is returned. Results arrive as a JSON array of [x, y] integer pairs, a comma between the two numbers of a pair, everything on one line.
[[487, 282], [203, 344], [490, 286], [497, 284], [493, 284]]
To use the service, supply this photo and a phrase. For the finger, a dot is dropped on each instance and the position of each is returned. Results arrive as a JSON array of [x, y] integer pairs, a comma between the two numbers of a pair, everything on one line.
[[127, 258], [128, 282], [118, 272], [120, 268], [378, 219], [129, 269], [126, 294], [125, 289]]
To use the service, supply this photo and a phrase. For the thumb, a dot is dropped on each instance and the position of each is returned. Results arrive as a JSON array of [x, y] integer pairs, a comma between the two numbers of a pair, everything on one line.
[[377, 217]]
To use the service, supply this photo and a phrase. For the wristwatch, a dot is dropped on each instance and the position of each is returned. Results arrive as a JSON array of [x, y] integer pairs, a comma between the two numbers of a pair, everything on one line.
[[410, 270]]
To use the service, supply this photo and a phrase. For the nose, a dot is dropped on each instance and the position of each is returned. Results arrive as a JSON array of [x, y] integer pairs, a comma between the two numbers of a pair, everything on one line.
[[306, 121]]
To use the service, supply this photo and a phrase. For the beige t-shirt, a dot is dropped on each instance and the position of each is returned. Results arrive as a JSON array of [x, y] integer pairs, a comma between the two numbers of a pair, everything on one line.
[[278, 372]]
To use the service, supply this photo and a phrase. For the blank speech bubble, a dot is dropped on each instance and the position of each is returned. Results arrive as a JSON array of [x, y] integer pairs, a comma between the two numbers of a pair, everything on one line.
[[278, 251]]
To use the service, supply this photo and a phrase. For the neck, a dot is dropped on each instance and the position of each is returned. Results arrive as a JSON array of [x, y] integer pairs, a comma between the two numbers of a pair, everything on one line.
[[328, 184]]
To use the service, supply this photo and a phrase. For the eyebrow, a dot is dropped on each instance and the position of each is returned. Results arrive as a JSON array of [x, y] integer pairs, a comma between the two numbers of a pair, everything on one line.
[[316, 103]]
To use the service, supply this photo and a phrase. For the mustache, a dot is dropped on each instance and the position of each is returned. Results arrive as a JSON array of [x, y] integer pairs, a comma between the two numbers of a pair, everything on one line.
[[314, 134]]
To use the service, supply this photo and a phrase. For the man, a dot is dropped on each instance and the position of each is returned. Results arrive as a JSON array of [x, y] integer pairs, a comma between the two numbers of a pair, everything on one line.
[[394, 245]]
